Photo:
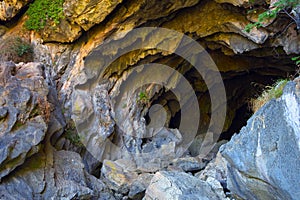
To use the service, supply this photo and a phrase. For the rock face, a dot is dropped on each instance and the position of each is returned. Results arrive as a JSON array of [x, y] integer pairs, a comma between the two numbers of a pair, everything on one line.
[[88, 13], [24, 113], [132, 141], [56, 176], [8, 8], [172, 185], [263, 159], [30, 168]]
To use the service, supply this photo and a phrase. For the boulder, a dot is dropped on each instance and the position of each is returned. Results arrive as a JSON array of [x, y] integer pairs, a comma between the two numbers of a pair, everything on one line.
[[117, 177], [264, 158], [179, 185]]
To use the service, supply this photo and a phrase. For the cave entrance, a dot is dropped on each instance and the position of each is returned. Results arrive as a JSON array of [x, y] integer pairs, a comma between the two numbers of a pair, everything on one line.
[[240, 89]]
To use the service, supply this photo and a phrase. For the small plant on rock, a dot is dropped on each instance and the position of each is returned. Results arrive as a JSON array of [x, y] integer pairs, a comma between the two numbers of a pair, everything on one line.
[[271, 92], [15, 49], [41, 12], [72, 135], [291, 8], [143, 98]]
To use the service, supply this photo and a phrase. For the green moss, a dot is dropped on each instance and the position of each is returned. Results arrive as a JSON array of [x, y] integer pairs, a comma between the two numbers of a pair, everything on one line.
[[72, 135], [42, 11]]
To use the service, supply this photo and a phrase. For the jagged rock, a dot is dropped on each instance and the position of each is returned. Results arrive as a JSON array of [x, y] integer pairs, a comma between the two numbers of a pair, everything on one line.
[[178, 185], [213, 18], [237, 43], [188, 164], [116, 177], [290, 41], [234, 2], [215, 175], [138, 187], [263, 159], [57, 176], [8, 8], [63, 32], [88, 13], [25, 112]]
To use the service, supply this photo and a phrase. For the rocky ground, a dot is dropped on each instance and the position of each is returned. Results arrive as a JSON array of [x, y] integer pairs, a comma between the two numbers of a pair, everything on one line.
[[76, 122]]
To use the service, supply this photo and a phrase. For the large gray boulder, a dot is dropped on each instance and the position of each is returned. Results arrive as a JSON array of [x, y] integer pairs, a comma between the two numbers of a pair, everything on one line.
[[179, 185], [264, 158]]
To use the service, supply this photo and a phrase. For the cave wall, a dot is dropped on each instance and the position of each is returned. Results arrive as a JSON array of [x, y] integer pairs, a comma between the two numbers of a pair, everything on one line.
[[247, 61]]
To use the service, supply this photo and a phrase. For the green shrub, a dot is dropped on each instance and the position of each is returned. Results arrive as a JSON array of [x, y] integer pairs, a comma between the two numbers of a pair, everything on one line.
[[16, 49], [271, 92], [42, 11], [272, 13]]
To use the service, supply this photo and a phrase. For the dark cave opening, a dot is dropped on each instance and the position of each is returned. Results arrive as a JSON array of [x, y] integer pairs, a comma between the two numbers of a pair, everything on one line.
[[239, 89], [241, 116]]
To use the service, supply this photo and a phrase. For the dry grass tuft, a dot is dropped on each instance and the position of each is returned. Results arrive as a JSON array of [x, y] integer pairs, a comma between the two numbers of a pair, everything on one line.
[[274, 91]]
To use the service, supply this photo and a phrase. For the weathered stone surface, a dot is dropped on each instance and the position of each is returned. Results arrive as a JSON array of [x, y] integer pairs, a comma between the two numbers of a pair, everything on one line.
[[116, 177], [88, 13], [212, 18], [24, 113], [139, 186], [215, 175], [63, 32], [237, 43], [178, 185], [9, 8], [188, 164], [57, 176], [263, 159], [234, 2]]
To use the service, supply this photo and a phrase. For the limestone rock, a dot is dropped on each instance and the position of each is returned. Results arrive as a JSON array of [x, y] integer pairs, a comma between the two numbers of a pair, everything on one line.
[[9, 8], [263, 159], [237, 43], [88, 13], [290, 41], [212, 18], [62, 178], [178, 185], [188, 164], [24, 113], [215, 175], [138, 187], [117, 178], [234, 2], [63, 32]]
